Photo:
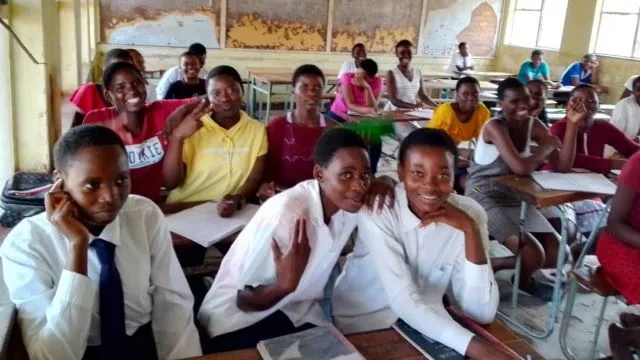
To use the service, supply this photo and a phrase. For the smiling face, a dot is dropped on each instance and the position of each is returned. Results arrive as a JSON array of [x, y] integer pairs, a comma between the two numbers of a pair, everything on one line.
[[468, 96], [307, 91], [127, 91], [515, 104], [404, 54], [427, 173], [346, 179], [589, 99], [97, 179], [190, 66], [225, 94], [359, 54]]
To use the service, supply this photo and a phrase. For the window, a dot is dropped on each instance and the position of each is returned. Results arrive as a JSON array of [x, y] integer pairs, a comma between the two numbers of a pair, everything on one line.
[[618, 28], [538, 23]]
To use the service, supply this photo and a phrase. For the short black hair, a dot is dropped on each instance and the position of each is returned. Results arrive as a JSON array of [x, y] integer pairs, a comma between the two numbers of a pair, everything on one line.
[[462, 44], [434, 138], [198, 49], [306, 69], [81, 137], [225, 70], [114, 55], [404, 42], [333, 140], [133, 51], [356, 46], [189, 53], [111, 70], [467, 80], [370, 67], [537, 52], [581, 87], [508, 84]]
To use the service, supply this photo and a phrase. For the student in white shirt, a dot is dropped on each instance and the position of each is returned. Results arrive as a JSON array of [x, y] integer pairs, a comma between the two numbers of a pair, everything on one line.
[[461, 60], [628, 87], [626, 115], [406, 257], [273, 277], [95, 276], [175, 73], [358, 53]]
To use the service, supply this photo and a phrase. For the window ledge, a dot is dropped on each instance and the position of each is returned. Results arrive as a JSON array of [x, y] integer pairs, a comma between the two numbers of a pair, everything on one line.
[[617, 57]]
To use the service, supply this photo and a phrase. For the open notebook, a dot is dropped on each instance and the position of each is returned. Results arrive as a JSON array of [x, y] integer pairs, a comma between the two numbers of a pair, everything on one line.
[[579, 182], [319, 343], [203, 225], [423, 113]]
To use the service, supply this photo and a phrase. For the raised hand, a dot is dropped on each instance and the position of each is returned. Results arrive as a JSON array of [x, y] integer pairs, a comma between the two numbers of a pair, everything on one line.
[[383, 190], [62, 213], [576, 111], [451, 215], [290, 266], [189, 119]]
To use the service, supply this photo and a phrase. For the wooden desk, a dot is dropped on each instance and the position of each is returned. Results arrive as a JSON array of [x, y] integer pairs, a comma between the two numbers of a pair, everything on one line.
[[393, 116], [486, 74], [389, 345], [527, 190]]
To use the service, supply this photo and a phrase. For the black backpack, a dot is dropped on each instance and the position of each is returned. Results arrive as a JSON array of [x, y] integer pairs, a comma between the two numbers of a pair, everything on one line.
[[23, 196]]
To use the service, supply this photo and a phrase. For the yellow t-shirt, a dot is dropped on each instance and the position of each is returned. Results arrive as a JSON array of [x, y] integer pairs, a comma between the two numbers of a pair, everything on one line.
[[218, 160], [445, 118]]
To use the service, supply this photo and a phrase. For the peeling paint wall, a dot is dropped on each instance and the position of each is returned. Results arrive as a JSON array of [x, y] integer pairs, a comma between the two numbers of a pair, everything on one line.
[[160, 22], [379, 24], [451, 21], [277, 24]]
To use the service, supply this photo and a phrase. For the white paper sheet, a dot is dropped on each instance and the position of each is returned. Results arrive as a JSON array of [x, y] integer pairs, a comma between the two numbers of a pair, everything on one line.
[[203, 225], [579, 182], [424, 113]]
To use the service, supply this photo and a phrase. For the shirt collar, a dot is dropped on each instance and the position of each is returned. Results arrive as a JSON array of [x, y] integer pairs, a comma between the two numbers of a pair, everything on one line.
[[409, 221], [316, 212], [110, 233]]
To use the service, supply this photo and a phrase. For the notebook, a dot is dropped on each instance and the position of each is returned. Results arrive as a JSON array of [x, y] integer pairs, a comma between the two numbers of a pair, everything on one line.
[[580, 182], [203, 225], [424, 113], [431, 349], [319, 343]]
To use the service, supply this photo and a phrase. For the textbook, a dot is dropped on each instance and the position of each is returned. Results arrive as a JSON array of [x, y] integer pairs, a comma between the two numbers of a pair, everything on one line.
[[203, 225], [319, 343], [580, 182], [431, 349]]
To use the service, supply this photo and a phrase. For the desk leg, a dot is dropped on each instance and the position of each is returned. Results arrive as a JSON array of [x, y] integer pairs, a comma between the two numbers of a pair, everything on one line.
[[252, 97], [557, 288], [268, 111], [592, 236], [566, 320]]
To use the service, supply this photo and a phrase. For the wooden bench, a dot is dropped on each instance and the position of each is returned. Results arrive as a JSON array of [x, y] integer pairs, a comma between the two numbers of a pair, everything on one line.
[[593, 280]]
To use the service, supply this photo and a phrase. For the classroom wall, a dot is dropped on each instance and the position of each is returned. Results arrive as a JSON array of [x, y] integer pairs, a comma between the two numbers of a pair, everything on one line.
[[580, 24], [287, 33]]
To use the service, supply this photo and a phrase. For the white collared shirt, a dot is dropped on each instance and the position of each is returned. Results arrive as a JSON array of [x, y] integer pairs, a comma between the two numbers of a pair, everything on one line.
[[59, 310], [458, 60], [400, 270], [626, 117], [250, 261], [347, 67], [169, 77]]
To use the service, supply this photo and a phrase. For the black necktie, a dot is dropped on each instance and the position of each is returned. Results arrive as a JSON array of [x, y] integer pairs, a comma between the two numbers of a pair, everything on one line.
[[112, 325]]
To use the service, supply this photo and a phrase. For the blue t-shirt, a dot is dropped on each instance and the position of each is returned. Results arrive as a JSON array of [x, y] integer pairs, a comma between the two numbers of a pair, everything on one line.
[[575, 69], [535, 73]]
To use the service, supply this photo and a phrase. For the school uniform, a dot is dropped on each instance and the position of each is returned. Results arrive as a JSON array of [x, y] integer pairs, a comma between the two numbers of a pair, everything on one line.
[[626, 117], [528, 71], [61, 313], [348, 67], [575, 70], [458, 60], [183, 90], [250, 262], [629, 84], [399, 269], [172, 75]]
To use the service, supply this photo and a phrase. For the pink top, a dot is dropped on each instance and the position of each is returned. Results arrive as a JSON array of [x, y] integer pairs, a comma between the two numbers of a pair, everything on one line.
[[340, 105]]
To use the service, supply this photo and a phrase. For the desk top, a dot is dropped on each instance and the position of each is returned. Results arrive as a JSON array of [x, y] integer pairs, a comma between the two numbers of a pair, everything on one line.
[[395, 116], [451, 84], [486, 74], [279, 76], [389, 345], [527, 190]]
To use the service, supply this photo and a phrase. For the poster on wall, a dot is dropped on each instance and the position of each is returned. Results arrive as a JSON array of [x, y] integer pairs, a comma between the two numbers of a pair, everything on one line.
[[379, 24], [277, 24], [160, 22], [451, 22]]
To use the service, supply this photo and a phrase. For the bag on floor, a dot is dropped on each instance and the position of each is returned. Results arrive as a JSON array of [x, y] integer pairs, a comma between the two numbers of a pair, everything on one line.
[[23, 196]]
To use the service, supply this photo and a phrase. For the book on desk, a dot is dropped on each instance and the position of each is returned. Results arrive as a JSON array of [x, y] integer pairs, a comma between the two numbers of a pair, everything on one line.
[[319, 343], [428, 347], [579, 182]]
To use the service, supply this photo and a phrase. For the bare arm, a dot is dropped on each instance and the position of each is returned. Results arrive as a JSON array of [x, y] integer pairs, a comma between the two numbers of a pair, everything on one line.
[[173, 168], [617, 224], [261, 298], [520, 165], [351, 105], [424, 98], [253, 182]]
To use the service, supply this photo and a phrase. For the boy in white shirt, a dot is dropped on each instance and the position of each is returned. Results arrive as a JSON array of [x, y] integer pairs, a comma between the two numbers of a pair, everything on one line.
[[272, 279], [628, 86], [626, 115], [359, 53], [174, 74], [461, 61], [406, 257], [95, 276]]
